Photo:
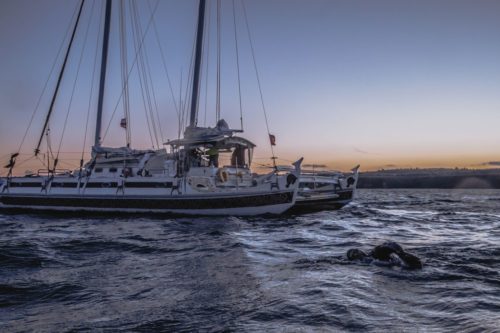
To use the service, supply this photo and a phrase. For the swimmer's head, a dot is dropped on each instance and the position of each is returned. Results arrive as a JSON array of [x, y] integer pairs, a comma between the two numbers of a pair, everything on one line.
[[355, 254]]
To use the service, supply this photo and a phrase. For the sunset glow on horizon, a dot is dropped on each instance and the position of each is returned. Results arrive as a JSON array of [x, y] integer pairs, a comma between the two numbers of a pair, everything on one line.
[[385, 84]]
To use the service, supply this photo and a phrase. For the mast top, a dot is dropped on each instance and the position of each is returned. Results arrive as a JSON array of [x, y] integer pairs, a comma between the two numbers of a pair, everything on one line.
[[197, 65], [104, 62]]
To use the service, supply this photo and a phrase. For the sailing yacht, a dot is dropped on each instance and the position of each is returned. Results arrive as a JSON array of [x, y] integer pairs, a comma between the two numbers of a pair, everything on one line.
[[188, 176]]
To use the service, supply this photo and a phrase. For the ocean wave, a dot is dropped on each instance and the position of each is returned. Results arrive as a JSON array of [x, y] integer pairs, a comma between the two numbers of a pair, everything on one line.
[[287, 273]]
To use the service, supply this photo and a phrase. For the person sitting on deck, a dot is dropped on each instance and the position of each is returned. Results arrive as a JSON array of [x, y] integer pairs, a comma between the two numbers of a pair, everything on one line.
[[194, 157], [213, 156], [238, 156]]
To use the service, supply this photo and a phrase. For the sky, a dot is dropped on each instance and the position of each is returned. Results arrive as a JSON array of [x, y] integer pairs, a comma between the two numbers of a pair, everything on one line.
[[381, 83]]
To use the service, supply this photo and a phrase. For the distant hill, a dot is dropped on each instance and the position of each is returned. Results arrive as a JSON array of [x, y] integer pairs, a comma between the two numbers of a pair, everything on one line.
[[431, 178]]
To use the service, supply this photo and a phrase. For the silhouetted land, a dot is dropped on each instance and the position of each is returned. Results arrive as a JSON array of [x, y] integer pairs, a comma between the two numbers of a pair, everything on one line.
[[431, 178]]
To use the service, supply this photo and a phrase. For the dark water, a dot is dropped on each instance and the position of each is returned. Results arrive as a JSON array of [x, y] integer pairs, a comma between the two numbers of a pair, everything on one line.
[[255, 274]]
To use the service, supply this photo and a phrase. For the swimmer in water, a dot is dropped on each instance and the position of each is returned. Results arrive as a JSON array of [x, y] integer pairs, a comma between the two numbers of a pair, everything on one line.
[[389, 253]]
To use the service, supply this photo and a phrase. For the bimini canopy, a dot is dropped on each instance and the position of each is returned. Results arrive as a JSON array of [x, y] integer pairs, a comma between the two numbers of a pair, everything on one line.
[[220, 142], [118, 152], [220, 136]]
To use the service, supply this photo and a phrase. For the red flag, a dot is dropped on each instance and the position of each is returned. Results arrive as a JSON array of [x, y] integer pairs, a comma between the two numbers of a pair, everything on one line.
[[123, 123], [272, 138]]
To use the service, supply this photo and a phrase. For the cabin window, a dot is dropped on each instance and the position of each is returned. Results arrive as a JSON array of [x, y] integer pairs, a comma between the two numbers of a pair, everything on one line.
[[113, 169], [97, 170]]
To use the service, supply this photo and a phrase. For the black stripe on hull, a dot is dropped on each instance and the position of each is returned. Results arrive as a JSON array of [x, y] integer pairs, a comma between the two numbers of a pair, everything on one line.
[[342, 194], [113, 184], [145, 203]]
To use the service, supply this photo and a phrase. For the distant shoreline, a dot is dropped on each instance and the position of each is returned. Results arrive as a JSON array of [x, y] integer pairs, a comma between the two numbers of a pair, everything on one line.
[[431, 178]]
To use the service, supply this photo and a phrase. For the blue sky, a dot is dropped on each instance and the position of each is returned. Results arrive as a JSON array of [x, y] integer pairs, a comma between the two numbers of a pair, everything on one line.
[[376, 82]]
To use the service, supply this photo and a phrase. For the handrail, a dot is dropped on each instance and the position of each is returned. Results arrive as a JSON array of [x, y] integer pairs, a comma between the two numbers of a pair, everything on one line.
[[59, 172]]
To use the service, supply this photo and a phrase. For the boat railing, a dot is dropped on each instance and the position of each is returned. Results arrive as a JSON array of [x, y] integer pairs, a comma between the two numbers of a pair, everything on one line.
[[56, 172], [235, 169], [151, 172]]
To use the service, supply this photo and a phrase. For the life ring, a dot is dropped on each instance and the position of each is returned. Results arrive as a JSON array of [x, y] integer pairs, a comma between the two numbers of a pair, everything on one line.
[[222, 175]]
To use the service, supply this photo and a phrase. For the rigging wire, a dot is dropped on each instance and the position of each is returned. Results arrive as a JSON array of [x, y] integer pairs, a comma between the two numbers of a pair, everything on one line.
[[74, 86], [49, 149], [237, 63], [207, 43], [144, 82], [26, 160], [140, 71], [217, 104], [98, 39], [59, 79], [48, 79], [258, 79], [131, 68], [69, 165], [124, 68], [185, 118], [189, 83], [149, 77], [155, 107], [176, 106], [179, 119], [155, 102], [18, 164], [42, 160]]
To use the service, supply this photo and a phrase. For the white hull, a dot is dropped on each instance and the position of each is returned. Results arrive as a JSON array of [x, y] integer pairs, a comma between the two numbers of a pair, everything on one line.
[[269, 194]]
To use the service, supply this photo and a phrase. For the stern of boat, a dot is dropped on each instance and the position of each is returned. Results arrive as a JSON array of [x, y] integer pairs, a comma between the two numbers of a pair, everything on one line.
[[351, 181]]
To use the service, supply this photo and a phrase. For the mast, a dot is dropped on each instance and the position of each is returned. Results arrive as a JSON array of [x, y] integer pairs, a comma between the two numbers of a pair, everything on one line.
[[197, 65], [104, 62]]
